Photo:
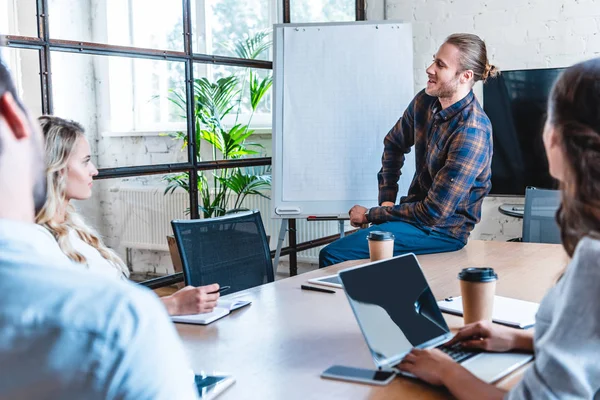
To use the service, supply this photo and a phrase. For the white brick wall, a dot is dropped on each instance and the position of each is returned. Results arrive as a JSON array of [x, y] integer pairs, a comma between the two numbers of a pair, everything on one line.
[[519, 34]]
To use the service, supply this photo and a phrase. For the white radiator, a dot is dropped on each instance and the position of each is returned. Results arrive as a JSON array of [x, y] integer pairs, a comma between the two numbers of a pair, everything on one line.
[[145, 216]]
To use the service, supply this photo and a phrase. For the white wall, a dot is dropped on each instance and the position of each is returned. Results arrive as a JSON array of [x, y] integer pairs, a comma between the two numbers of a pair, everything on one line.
[[519, 34]]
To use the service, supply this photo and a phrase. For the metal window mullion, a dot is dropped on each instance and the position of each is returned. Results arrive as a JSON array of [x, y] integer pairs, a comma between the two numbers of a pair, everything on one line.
[[101, 49], [190, 108], [44, 57], [286, 12], [360, 10]]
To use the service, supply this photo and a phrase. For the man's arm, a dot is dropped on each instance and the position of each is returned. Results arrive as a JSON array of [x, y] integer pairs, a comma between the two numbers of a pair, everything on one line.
[[151, 363], [396, 144], [468, 155]]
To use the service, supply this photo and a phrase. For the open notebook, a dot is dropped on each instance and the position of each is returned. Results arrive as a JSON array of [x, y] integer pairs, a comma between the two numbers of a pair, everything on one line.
[[507, 311], [224, 307]]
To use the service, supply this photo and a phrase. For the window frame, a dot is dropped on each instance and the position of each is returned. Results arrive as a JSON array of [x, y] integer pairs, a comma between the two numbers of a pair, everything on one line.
[[44, 45]]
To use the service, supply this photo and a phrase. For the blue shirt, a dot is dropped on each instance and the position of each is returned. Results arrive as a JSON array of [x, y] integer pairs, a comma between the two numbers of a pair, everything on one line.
[[453, 153], [70, 334]]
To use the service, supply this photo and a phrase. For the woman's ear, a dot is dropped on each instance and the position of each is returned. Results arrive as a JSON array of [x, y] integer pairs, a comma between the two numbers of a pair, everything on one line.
[[554, 152]]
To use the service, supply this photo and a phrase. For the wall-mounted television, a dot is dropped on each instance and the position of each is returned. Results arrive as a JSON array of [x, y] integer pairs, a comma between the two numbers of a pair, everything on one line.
[[515, 102]]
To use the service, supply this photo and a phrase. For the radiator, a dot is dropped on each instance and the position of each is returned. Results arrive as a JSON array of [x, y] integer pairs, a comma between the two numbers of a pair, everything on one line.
[[145, 214]]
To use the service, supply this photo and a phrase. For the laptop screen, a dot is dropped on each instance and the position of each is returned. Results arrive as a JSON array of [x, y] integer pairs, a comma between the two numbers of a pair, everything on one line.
[[394, 306]]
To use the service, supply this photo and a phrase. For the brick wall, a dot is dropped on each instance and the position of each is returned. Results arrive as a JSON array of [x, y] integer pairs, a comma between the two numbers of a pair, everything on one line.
[[519, 33]]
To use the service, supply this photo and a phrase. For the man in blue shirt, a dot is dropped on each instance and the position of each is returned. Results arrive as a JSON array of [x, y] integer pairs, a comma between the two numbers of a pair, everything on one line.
[[63, 333]]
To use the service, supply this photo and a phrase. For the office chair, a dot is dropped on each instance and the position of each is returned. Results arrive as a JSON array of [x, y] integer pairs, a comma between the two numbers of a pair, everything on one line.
[[231, 250], [539, 219]]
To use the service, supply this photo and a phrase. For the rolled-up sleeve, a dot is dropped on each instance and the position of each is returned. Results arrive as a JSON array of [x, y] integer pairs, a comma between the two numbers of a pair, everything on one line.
[[567, 355]]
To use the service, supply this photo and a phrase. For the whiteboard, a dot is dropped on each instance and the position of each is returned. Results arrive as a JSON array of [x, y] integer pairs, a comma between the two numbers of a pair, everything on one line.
[[338, 90]]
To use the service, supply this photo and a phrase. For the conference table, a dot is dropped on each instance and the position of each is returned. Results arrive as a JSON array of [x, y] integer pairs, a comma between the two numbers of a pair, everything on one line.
[[277, 347]]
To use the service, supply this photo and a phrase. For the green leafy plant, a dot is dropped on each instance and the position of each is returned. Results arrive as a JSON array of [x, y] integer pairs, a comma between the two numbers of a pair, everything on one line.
[[214, 100]]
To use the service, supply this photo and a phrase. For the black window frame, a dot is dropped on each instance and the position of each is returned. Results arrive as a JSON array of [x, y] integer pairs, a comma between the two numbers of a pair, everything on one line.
[[44, 45]]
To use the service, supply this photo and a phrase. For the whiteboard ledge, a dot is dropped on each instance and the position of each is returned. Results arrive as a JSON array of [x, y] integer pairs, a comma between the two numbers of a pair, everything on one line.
[[287, 210]]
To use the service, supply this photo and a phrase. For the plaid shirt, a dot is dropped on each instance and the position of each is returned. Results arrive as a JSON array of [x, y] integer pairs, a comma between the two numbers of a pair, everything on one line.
[[453, 152]]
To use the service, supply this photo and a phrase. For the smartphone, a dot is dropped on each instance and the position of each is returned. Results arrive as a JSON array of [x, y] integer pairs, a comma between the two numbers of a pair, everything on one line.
[[362, 375], [210, 386]]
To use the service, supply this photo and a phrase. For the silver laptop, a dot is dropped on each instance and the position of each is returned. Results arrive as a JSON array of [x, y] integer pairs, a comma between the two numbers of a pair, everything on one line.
[[396, 311]]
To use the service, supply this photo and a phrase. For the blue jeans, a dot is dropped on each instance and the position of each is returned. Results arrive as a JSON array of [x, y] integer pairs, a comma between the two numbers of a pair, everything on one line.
[[409, 239]]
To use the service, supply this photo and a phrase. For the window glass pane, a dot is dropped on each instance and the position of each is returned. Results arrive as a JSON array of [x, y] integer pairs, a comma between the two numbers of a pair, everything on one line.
[[322, 10], [233, 84], [124, 105], [236, 28], [18, 18], [24, 65], [133, 216], [153, 24]]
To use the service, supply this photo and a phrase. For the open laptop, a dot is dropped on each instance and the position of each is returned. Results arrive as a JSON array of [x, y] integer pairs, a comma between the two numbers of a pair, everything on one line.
[[396, 311]]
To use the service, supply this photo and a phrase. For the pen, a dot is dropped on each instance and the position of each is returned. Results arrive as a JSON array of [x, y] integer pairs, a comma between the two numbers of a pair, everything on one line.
[[224, 289], [221, 289], [316, 289]]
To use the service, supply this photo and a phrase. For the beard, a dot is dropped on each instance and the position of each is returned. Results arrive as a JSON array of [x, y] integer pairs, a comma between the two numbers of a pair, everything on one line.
[[445, 89]]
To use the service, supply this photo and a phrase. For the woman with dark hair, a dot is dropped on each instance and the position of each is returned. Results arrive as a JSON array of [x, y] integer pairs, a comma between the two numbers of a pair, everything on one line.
[[566, 342]]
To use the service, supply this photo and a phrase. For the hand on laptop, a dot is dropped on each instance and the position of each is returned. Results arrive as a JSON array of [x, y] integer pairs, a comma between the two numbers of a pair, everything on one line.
[[430, 365], [487, 336]]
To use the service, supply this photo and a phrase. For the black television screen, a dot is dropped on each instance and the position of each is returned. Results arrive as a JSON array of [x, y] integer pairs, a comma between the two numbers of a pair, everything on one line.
[[516, 102]]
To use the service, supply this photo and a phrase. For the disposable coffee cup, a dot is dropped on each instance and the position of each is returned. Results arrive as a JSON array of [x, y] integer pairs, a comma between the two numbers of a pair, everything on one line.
[[477, 287], [381, 245]]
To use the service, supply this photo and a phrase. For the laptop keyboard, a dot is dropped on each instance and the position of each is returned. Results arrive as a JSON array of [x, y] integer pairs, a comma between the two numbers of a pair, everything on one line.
[[458, 353]]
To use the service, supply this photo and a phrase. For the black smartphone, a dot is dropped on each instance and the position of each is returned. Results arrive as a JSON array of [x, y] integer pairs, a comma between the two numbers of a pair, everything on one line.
[[362, 375]]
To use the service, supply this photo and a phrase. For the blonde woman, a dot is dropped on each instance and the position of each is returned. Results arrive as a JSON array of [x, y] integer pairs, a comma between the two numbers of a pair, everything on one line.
[[70, 173]]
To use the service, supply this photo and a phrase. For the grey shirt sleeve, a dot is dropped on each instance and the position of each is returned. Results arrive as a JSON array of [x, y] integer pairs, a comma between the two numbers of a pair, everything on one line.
[[566, 362]]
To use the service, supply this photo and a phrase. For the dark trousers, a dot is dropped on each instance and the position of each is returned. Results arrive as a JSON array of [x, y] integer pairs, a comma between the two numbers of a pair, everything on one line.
[[409, 239]]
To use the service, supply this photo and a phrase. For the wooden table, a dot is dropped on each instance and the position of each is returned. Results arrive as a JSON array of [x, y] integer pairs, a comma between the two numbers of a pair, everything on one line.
[[277, 347]]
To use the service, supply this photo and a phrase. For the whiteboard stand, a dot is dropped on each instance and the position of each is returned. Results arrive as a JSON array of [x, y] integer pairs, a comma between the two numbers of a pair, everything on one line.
[[282, 231], [318, 65], [285, 228]]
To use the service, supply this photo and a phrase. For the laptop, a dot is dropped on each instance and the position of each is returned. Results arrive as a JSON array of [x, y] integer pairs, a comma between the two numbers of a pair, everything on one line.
[[396, 311]]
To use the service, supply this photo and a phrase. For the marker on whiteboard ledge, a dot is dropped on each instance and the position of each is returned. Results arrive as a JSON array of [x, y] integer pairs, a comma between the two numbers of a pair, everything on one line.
[[321, 217]]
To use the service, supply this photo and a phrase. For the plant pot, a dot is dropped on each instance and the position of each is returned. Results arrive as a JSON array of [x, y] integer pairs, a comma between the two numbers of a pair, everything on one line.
[[175, 257]]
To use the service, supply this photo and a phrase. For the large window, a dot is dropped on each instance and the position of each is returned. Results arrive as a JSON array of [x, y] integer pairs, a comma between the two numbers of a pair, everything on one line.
[[146, 78]]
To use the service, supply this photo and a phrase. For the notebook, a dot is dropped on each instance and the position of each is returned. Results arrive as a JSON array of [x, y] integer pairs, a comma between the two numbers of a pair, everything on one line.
[[507, 311], [223, 308]]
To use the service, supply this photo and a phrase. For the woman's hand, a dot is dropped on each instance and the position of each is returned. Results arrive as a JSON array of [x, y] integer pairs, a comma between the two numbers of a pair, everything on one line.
[[429, 365], [192, 300], [437, 368], [487, 336]]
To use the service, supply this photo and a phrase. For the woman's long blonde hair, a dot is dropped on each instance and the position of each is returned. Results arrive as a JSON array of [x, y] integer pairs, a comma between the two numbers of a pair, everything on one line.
[[61, 136]]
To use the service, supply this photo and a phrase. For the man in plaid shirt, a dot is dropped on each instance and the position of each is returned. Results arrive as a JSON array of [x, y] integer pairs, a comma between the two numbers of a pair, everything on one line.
[[452, 139]]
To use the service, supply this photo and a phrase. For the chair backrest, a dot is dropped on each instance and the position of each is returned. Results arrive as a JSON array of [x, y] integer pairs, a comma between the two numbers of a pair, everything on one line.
[[230, 250], [539, 219]]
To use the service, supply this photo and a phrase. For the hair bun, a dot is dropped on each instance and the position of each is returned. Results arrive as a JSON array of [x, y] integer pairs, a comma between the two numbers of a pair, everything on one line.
[[490, 71]]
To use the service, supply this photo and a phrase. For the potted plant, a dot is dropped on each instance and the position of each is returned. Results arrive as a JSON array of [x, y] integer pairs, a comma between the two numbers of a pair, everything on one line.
[[224, 190]]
